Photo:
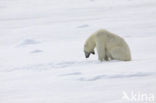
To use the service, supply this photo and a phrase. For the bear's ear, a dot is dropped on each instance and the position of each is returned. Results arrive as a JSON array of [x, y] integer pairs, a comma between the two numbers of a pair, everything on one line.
[[93, 52]]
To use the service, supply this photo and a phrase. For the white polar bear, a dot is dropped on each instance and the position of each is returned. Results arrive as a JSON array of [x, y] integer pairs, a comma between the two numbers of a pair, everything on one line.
[[109, 46]]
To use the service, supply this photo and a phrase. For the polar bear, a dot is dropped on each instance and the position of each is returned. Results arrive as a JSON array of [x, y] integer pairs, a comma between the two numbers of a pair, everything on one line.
[[109, 46]]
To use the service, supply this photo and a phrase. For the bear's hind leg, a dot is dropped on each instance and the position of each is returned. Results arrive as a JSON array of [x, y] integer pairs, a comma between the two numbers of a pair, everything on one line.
[[119, 54]]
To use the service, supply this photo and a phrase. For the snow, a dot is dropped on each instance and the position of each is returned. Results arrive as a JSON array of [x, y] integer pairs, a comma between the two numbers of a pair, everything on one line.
[[41, 50]]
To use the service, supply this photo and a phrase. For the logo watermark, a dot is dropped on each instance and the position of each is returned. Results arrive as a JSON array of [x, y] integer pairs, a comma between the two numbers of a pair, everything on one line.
[[138, 97]]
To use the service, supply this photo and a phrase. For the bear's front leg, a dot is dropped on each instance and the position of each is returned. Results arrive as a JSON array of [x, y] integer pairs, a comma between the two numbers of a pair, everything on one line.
[[106, 58], [101, 59], [100, 50], [101, 54]]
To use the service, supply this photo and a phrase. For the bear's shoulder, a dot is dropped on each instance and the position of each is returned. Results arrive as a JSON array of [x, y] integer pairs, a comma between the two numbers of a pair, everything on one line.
[[101, 32]]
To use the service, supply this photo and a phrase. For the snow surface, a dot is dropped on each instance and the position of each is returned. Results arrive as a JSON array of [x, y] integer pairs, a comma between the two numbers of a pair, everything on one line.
[[41, 50]]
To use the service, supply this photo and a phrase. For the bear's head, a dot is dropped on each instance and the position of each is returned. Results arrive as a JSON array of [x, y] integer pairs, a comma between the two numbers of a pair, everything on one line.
[[88, 49]]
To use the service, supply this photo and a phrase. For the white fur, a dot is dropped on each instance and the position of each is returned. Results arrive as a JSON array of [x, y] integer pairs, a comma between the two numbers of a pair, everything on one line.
[[109, 46]]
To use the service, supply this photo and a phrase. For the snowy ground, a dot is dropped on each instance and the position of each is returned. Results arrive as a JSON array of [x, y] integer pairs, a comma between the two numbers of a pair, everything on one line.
[[41, 51]]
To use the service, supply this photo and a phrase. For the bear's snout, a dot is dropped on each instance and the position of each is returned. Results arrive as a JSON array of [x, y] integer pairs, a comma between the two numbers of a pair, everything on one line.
[[87, 54]]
